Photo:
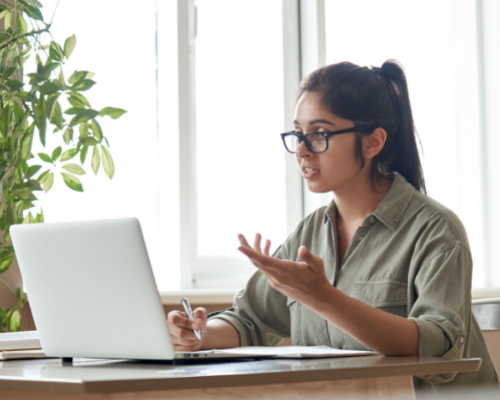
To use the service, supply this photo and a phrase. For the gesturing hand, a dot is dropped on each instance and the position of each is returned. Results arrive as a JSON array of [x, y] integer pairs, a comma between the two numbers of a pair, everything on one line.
[[304, 282]]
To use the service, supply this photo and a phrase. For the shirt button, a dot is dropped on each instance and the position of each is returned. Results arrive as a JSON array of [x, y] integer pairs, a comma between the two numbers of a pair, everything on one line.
[[361, 238], [462, 340], [372, 218]]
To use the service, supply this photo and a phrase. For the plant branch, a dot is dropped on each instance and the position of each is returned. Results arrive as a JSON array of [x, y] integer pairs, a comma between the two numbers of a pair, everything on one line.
[[54, 13], [6, 284], [32, 33]]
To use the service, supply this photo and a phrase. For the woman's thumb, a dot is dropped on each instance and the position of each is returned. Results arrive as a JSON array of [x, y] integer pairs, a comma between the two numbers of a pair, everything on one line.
[[309, 258]]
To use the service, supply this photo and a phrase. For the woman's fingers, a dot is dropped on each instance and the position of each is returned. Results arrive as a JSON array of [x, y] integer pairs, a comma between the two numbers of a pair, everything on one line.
[[256, 243], [200, 319], [243, 241], [267, 247]]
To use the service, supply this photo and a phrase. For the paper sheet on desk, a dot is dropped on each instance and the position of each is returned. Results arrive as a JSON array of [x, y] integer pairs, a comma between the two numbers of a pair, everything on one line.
[[296, 352]]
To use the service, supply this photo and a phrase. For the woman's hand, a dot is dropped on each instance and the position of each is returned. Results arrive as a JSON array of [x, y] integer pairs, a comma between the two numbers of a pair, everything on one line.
[[304, 282], [181, 329]]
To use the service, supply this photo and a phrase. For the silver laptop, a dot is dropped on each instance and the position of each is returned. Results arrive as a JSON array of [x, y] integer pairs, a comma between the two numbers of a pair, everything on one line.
[[92, 291]]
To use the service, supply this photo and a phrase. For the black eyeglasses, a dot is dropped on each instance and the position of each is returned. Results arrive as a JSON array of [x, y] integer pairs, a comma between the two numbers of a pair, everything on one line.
[[317, 142]]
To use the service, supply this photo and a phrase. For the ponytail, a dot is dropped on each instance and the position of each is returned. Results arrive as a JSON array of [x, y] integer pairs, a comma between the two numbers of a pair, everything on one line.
[[374, 96]]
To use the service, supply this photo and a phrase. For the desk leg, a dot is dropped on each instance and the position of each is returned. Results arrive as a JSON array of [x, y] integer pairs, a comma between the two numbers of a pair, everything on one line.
[[390, 388]]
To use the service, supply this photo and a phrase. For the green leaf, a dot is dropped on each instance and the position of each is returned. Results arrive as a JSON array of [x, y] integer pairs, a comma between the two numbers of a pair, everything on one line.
[[84, 116], [84, 130], [36, 78], [96, 129], [55, 52], [61, 79], [48, 68], [107, 162], [19, 294], [26, 142], [4, 36], [25, 96], [68, 135], [5, 121], [84, 84], [15, 321], [112, 112], [78, 100], [72, 181], [69, 45], [90, 141], [83, 154], [56, 153], [73, 111], [48, 181], [21, 23], [8, 72], [28, 219], [45, 157], [48, 88], [32, 171], [40, 119], [74, 169], [5, 264], [42, 176], [69, 154], [33, 12], [78, 75], [57, 118], [7, 21], [96, 160], [49, 107], [14, 84], [3, 314], [30, 186]]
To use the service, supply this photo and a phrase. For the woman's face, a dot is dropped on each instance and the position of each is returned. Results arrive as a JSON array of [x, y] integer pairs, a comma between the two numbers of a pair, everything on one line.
[[338, 166]]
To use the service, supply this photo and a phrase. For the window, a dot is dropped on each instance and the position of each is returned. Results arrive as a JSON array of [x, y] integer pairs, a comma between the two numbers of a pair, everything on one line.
[[438, 47], [210, 84]]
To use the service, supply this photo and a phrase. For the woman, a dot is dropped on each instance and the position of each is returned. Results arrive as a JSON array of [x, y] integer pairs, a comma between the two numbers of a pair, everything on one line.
[[383, 267]]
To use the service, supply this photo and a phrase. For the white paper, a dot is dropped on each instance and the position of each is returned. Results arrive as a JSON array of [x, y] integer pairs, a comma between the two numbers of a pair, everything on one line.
[[295, 352]]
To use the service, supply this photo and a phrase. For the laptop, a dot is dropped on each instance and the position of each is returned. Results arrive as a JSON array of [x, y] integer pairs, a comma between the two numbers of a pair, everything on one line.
[[92, 291]]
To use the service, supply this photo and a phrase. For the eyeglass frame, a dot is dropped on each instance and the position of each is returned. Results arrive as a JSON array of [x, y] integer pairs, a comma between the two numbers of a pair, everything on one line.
[[303, 138]]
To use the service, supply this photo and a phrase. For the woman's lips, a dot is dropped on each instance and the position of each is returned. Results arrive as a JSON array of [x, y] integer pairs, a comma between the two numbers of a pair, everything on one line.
[[309, 172]]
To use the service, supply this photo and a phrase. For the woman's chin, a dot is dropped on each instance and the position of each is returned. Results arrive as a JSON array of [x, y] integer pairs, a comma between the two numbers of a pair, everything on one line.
[[315, 187]]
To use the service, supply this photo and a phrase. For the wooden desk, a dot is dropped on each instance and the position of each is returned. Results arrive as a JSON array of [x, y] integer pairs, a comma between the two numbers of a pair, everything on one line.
[[334, 378]]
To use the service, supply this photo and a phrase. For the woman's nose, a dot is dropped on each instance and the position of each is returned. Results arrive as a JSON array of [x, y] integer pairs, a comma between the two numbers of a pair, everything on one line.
[[302, 151]]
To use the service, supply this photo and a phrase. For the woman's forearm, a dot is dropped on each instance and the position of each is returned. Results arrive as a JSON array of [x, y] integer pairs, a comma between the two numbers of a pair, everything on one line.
[[220, 334], [383, 332]]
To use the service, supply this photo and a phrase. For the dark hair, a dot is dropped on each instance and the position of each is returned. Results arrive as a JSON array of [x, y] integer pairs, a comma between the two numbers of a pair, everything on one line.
[[373, 96]]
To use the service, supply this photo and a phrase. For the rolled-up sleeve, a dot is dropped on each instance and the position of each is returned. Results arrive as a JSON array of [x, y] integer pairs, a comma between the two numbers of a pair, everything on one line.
[[442, 308], [259, 312]]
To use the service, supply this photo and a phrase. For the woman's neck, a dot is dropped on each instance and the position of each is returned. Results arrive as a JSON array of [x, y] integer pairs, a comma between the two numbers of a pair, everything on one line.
[[360, 198]]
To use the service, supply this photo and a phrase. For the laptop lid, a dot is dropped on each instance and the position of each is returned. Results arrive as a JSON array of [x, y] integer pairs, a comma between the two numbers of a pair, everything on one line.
[[91, 289]]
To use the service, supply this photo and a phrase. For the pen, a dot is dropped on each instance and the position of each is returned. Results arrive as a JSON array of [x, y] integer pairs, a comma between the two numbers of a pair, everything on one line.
[[187, 308]]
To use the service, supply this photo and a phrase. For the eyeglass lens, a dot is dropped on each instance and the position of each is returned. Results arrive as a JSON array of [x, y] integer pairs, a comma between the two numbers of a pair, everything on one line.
[[317, 142]]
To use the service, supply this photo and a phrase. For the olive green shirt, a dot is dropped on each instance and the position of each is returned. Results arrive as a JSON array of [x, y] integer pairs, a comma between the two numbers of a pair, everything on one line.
[[410, 257]]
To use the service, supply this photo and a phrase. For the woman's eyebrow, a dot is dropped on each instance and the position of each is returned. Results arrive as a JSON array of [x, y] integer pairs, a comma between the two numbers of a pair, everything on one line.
[[316, 121]]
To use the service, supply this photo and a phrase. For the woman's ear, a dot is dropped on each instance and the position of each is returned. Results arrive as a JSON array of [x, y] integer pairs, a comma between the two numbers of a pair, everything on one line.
[[374, 143]]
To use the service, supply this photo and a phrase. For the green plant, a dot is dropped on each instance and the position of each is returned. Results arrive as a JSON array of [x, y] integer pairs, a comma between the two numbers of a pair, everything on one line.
[[30, 105]]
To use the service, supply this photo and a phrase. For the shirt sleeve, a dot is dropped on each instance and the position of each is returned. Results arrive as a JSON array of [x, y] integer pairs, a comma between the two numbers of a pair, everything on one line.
[[442, 310], [259, 312]]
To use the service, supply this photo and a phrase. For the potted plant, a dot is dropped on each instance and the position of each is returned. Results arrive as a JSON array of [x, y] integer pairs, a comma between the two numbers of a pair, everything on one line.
[[31, 104]]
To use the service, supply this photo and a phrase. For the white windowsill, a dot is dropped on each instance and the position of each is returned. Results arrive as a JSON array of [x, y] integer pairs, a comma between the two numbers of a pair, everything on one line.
[[199, 296], [225, 296], [485, 293]]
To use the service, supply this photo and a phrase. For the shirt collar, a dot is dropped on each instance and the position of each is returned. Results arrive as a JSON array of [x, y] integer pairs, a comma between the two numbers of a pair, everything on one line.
[[391, 208]]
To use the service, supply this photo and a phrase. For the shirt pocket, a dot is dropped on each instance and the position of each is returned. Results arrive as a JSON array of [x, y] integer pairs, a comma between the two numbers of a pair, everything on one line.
[[386, 295], [294, 309]]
